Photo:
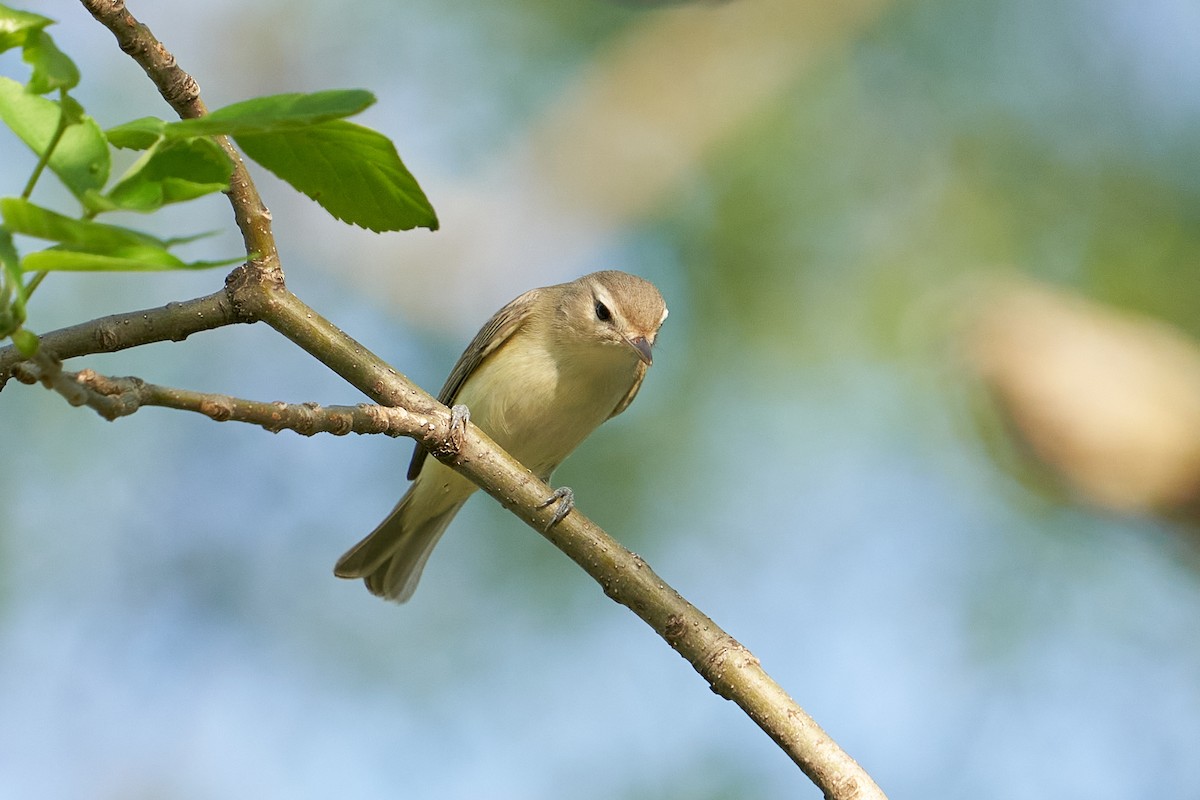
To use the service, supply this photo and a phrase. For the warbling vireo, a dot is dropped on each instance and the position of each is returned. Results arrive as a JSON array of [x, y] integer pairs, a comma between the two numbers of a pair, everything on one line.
[[538, 378]]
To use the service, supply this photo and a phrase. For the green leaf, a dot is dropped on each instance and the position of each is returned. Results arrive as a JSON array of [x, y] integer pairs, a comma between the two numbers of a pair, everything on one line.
[[128, 259], [133, 259], [22, 216], [172, 172], [15, 26], [9, 260], [52, 68], [259, 115], [274, 113], [223, 262], [353, 172], [138, 134], [81, 158], [12, 287], [25, 341]]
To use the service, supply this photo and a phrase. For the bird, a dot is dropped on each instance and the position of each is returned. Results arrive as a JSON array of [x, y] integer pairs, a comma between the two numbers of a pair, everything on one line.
[[543, 373]]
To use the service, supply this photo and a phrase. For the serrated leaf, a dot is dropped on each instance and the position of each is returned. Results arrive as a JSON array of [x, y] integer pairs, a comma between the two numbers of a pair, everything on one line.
[[172, 172], [52, 68], [138, 134], [353, 172], [15, 26], [81, 158], [22, 216], [127, 259], [274, 113]]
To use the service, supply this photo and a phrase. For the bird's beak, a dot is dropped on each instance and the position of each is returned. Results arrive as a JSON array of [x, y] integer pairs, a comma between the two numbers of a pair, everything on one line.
[[642, 346]]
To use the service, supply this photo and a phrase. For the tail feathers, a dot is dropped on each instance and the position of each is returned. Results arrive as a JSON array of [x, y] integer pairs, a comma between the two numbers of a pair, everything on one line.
[[391, 558]]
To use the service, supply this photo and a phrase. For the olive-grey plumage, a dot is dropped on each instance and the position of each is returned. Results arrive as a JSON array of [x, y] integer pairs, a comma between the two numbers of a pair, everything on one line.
[[538, 378]]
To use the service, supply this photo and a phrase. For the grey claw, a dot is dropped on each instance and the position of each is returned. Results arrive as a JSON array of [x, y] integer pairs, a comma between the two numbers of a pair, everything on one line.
[[565, 498], [460, 415]]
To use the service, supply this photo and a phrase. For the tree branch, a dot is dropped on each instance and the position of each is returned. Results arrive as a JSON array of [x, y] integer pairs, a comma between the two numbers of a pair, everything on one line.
[[256, 292]]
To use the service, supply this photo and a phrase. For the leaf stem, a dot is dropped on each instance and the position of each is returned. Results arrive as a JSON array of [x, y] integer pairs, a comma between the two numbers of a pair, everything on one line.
[[44, 158], [33, 283]]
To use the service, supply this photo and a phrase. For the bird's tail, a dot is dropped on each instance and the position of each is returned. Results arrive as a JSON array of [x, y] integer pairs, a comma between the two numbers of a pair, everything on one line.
[[391, 558]]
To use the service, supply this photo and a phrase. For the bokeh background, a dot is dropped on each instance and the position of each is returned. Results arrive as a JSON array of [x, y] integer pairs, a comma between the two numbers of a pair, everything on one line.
[[827, 194]]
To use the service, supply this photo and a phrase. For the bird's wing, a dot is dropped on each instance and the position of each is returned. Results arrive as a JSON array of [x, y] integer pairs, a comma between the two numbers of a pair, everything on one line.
[[633, 390], [503, 324]]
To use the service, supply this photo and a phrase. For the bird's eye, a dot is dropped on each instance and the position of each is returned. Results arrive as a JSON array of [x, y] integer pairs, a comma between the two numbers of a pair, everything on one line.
[[602, 312]]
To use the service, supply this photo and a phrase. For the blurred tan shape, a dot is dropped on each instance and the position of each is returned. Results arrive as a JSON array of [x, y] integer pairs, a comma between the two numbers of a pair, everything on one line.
[[662, 95], [655, 101], [1107, 399]]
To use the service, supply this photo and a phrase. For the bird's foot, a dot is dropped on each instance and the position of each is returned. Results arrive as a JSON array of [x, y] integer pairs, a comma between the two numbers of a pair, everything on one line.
[[460, 415], [565, 498]]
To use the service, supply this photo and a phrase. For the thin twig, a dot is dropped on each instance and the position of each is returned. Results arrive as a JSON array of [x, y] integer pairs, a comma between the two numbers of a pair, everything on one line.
[[46, 369], [113, 398]]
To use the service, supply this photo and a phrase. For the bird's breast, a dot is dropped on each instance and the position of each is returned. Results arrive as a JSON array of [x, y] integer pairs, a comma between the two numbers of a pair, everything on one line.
[[540, 405]]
